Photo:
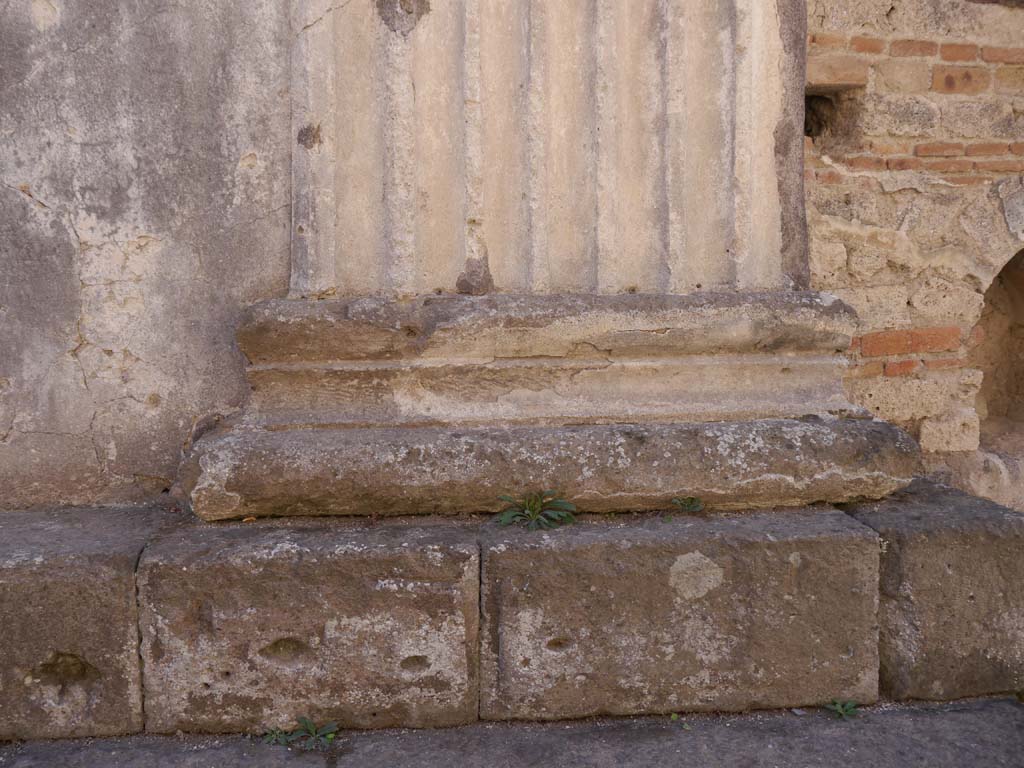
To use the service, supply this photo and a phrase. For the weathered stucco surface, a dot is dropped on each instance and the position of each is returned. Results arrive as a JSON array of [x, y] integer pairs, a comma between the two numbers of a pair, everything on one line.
[[144, 193]]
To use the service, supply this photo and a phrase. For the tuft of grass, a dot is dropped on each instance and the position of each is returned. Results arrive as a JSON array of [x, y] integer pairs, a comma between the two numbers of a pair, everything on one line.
[[685, 506], [307, 736], [543, 509], [844, 710], [688, 505]]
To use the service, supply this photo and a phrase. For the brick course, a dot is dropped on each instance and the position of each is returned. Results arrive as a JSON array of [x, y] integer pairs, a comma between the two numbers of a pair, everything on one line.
[[913, 48]]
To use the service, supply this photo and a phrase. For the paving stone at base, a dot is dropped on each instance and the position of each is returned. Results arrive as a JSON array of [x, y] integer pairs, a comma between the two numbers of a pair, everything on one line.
[[767, 609], [952, 593], [248, 627], [988, 733], [69, 656]]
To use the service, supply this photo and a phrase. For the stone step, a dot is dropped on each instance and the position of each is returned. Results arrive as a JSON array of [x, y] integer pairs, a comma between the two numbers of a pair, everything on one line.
[[248, 471], [987, 733], [430, 621]]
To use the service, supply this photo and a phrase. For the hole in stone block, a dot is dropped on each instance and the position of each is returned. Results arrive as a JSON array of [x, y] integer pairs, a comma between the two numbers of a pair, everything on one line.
[[415, 664], [66, 669], [558, 643], [287, 651]]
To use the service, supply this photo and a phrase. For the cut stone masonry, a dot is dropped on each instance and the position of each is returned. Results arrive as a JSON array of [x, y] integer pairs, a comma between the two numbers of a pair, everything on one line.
[[409, 623]]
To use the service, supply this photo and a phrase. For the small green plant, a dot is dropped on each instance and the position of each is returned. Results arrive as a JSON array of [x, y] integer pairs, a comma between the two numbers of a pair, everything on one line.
[[675, 719], [688, 505], [544, 509], [277, 737], [842, 709], [307, 736]]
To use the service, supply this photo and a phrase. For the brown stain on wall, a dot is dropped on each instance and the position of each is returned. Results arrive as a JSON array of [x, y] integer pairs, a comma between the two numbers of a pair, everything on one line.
[[402, 16]]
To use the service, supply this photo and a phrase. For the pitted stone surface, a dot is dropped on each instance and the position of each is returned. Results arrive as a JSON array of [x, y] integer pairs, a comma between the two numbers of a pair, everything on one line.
[[248, 627], [952, 593], [69, 661], [772, 462], [726, 613]]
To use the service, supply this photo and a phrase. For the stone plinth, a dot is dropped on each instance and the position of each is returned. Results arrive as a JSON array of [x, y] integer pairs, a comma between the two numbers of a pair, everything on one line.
[[439, 404]]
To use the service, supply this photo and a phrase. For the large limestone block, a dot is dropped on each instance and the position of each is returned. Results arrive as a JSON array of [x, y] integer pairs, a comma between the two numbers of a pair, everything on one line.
[[69, 647], [730, 613], [248, 627], [422, 470], [952, 594]]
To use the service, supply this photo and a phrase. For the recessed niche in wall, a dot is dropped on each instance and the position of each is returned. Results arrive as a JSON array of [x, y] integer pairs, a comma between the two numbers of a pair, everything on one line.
[[1001, 356]]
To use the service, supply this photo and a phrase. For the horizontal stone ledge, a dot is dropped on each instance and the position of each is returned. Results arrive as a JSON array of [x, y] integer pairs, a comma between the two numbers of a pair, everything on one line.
[[952, 593], [560, 325], [771, 462], [731, 613], [248, 627]]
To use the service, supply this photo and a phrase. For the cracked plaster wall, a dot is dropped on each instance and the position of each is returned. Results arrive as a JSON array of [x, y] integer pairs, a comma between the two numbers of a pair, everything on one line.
[[144, 200]]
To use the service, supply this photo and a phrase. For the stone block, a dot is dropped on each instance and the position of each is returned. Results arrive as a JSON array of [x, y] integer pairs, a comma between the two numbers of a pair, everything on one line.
[[833, 73], [952, 594], [902, 76], [248, 627], [771, 609], [908, 399], [959, 430], [69, 647]]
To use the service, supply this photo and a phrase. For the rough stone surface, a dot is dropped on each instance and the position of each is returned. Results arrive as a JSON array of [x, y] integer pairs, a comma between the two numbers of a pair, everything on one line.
[[727, 613], [781, 462], [952, 594], [249, 627], [989, 733], [69, 660], [144, 191]]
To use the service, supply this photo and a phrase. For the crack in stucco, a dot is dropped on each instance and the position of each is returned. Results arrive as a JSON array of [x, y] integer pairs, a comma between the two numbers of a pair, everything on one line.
[[322, 16]]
